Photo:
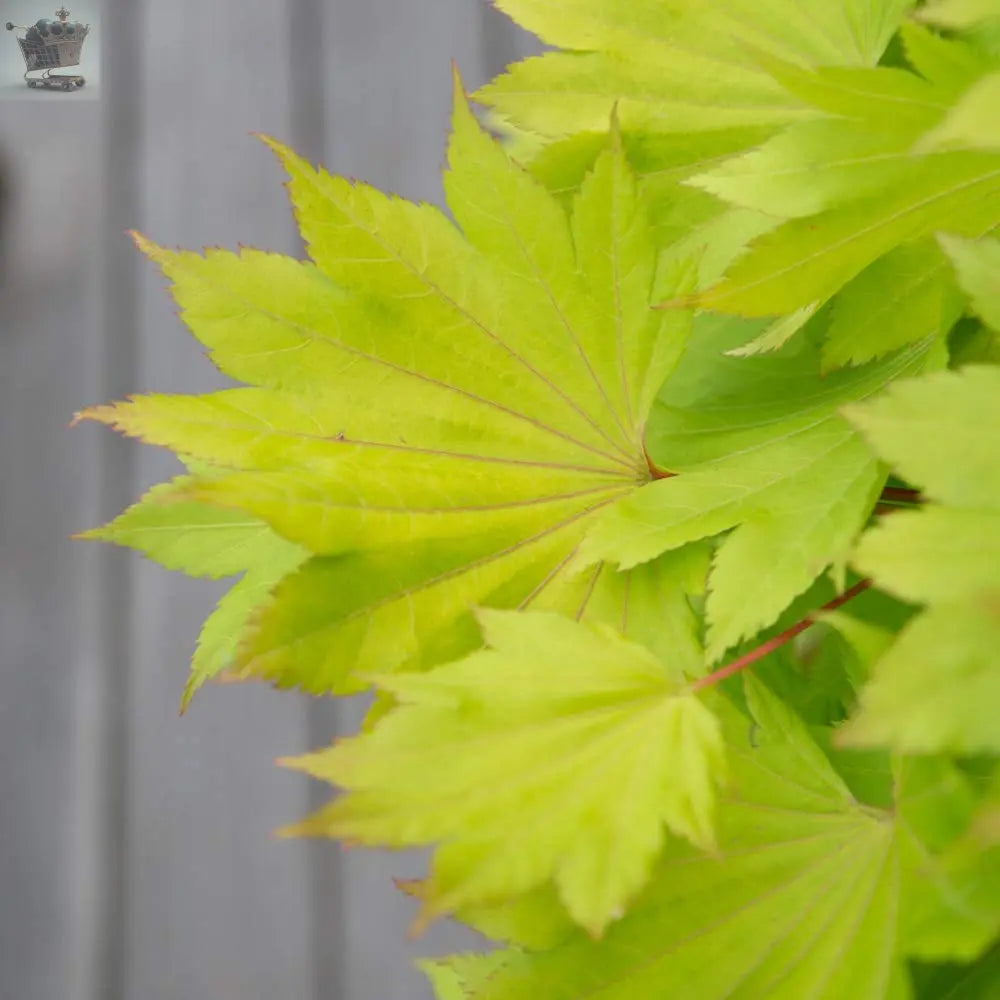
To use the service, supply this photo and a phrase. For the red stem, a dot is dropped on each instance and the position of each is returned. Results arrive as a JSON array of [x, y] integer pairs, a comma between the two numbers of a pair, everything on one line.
[[776, 642], [898, 493], [654, 470]]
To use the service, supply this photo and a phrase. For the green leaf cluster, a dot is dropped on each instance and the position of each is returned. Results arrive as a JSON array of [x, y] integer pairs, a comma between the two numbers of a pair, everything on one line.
[[654, 490]]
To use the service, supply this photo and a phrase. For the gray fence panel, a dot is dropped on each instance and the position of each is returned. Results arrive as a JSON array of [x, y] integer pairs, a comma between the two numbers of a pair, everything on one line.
[[215, 907], [47, 363], [135, 848]]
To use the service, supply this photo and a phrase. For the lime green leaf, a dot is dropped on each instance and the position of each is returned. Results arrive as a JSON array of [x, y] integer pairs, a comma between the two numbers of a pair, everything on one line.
[[862, 205], [808, 260], [972, 123], [817, 165], [866, 641], [808, 168], [803, 899], [678, 66], [759, 449], [958, 14], [454, 977], [648, 604], [664, 88], [936, 554], [435, 414], [914, 426], [187, 535], [938, 686], [852, 32], [536, 920], [562, 751], [977, 264], [908, 295], [954, 913], [717, 402], [658, 158], [946, 62], [778, 333], [796, 504], [204, 540], [225, 627], [852, 180], [611, 327]]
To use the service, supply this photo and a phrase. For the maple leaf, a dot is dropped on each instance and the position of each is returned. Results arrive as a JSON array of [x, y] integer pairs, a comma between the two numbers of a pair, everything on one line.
[[867, 120], [977, 264], [690, 84], [758, 446], [863, 192], [561, 751], [971, 124], [861, 140], [454, 977], [204, 540], [803, 899], [959, 15], [435, 414], [196, 538], [938, 686], [906, 295], [677, 66], [967, 872]]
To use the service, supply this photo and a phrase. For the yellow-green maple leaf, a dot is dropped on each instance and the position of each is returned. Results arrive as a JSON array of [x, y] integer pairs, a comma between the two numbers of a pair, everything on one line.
[[561, 752], [679, 65], [938, 686], [435, 413]]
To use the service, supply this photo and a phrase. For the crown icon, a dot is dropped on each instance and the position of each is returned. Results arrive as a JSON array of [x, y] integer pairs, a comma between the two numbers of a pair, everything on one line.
[[47, 45]]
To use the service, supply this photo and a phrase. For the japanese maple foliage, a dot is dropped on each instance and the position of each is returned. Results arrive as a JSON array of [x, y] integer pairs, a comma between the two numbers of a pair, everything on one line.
[[656, 492]]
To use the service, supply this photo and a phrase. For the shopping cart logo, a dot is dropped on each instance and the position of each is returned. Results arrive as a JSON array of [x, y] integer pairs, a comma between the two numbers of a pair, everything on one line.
[[49, 45]]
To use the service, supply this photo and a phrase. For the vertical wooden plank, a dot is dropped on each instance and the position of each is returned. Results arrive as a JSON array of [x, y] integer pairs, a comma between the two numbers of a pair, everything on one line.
[[387, 102], [104, 752], [216, 908], [48, 341]]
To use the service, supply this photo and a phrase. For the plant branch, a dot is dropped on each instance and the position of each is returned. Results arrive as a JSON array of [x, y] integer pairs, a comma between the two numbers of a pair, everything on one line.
[[777, 641]]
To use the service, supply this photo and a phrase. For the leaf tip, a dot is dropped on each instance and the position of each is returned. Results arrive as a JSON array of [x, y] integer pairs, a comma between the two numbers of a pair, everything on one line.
[[144, 244], [408, 886], [90, 535], [461, 111], [287, 156], [101, 413], [187, 694], [270, 142]]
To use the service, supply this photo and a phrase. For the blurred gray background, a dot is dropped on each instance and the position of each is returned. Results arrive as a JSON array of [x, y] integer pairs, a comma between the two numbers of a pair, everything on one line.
[[136, 861], [27, 13]]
